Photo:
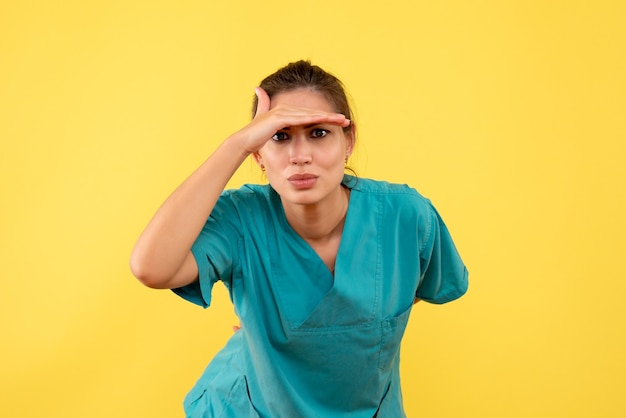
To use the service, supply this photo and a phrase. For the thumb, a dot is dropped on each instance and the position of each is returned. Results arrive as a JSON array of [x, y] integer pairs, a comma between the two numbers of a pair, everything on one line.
[[263, 101]]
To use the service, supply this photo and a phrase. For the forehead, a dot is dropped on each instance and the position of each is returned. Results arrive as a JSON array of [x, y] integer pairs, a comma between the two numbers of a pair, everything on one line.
[[302, 98]]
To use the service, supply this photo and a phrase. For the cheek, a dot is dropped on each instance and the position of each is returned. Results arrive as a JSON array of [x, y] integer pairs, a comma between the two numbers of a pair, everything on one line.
[[274, 166], [267, 156], [336, 155]]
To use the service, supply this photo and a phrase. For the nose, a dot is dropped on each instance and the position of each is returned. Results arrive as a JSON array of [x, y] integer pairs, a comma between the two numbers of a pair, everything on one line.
[[300, 150]]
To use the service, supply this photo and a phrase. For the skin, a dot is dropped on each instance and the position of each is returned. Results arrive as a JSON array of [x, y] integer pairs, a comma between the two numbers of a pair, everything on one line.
[[161, 257]]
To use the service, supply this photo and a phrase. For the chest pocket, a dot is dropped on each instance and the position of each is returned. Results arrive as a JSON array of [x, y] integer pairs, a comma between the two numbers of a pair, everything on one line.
[[392, 331], [360, 358]]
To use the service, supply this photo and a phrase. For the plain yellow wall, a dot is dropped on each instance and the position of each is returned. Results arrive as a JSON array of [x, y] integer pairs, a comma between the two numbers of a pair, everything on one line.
[[509, 115]]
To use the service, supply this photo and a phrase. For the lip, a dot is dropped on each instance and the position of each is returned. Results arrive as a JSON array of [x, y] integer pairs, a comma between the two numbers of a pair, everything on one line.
[[302, 180]]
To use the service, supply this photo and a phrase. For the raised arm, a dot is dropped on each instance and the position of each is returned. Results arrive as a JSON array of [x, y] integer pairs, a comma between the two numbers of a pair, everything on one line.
[[162, 256]]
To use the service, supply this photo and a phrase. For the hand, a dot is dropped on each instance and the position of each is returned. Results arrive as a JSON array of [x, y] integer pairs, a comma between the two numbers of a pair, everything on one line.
[[268, 121]]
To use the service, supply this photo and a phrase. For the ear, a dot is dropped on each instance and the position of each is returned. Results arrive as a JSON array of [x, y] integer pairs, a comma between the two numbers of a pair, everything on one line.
[[258, 159], [350, 139]]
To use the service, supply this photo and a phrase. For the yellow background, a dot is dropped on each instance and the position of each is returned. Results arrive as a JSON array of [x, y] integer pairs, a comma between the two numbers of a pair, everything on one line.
[[509, 115]]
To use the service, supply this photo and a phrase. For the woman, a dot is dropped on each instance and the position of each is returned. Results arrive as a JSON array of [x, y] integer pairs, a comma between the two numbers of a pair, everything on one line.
[[322, 268]]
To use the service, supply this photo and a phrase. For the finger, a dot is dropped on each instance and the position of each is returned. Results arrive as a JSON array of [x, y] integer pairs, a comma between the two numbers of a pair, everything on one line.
[[290, 111], [263, 101], [310, 116], [336, 119]]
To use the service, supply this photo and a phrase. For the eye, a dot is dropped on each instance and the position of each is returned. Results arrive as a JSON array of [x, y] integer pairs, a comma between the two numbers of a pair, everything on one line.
[[319, 133], [280, 136]]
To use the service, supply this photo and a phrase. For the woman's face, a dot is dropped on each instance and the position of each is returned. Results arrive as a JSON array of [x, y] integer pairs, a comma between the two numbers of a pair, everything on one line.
[[305, 164]]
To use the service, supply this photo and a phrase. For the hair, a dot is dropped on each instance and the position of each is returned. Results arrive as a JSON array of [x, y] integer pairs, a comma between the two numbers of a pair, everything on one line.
[[302, 74]]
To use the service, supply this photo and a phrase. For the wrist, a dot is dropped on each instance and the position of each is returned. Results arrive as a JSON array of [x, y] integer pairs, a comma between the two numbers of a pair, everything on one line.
[[235, 145]]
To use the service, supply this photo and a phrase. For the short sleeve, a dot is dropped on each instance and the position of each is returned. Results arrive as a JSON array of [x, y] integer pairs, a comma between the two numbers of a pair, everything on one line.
[[215, 252], [443, 274]]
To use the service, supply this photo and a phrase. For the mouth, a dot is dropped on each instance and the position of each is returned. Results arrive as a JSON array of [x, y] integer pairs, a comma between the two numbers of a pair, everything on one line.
[[302, 181]]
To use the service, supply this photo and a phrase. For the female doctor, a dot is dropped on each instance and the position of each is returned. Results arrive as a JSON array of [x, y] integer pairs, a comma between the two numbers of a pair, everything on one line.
[[323, 268]]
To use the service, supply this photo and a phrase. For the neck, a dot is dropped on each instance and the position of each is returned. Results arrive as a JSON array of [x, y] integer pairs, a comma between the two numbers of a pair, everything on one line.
[[322, 220]]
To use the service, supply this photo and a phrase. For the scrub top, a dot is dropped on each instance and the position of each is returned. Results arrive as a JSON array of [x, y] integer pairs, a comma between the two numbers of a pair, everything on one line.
[[314, 344]]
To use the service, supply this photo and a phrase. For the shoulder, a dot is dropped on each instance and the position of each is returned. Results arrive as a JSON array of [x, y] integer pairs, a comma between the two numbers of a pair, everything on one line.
[[247, 194], [248, 201], [397, 195], [248, 190]]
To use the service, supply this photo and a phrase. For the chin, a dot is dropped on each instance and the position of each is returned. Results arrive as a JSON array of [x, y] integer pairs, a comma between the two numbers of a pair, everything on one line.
[[301, 197]]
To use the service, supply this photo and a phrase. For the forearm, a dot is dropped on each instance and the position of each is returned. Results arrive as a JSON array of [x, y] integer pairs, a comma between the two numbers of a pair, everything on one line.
[[164, 245]]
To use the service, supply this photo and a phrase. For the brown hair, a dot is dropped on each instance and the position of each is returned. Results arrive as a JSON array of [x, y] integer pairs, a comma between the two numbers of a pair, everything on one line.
[[302, 74]]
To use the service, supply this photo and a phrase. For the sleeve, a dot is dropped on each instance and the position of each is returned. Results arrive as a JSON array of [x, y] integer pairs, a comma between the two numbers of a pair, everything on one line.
[[443, 274], [215, 252]]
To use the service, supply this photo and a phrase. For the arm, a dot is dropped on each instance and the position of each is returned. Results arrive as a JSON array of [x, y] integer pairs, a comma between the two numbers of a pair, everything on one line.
[[162, 256]]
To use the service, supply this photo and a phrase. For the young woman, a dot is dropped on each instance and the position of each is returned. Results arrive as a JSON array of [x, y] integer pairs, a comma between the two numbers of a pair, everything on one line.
[[323, 268]]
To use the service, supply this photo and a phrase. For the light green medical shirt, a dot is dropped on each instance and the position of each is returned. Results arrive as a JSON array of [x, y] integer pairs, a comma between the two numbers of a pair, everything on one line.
[[312, 344]]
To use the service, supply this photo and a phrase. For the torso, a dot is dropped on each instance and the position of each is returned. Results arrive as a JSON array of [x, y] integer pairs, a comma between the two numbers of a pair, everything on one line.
[[297, 319]]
